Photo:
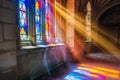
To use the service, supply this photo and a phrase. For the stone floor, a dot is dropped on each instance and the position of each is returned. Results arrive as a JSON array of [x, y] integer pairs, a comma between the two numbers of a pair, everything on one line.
[[95, 66], [94, 71], [88, 69]]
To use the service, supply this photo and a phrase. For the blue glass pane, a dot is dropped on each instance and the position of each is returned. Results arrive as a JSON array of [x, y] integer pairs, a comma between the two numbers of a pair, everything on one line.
[[22, 0], [22, 6]]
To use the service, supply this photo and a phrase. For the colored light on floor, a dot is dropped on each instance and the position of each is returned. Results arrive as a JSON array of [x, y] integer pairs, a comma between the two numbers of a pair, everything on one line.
[[108, 74], [101, 68], [85, 73], [89, 74], [73, 76]]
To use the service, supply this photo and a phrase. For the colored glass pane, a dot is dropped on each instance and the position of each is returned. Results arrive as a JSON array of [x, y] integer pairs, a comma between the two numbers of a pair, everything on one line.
[[22, 5], [49, 21], [22, 20], [38, 22]]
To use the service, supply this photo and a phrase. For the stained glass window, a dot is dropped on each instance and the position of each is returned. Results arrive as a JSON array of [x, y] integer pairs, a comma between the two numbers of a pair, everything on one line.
[[44, 20], [49, 21], [38, 20], [23, 20]]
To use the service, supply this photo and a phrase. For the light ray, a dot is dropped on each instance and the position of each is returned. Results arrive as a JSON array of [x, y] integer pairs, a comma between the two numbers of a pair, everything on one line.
[[80, 27]]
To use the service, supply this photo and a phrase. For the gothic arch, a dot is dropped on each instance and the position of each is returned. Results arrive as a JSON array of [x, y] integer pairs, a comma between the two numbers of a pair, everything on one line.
[[105, 9]]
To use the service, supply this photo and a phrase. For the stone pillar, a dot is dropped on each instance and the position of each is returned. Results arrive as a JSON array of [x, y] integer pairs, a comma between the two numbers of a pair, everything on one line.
[[70, 27]]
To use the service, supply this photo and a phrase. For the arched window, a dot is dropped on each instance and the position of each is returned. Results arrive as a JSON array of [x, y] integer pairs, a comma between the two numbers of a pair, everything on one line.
[[23, 26], [37, 21]]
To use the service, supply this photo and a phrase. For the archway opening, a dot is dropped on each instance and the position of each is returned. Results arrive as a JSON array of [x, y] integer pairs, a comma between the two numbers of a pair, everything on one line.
[[110, 23]]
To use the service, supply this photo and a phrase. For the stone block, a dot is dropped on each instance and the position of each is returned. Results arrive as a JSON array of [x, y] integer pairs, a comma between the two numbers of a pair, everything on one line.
[[8, 63], [8, 59], [9, 45], [1, 35], [7, 16], [0, 2], [8, 4], [9, 32], [1, 47]]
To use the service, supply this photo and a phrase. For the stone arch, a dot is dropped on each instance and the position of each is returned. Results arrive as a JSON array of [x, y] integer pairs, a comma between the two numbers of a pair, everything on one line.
[[109, 21], [105, 9]]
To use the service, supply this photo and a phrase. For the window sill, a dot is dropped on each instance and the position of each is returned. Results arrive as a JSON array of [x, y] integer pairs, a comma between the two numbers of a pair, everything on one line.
[[42, 46]]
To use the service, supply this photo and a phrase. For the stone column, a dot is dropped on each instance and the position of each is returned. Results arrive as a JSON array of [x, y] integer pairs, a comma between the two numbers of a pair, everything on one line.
[[70, 5]]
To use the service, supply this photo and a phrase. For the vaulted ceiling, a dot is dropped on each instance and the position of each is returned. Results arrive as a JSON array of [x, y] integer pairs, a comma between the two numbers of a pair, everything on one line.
[[111, 17], [98, 6]]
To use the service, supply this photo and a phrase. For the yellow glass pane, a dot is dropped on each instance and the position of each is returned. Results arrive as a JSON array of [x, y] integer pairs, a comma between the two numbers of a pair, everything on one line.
[[22, 31]]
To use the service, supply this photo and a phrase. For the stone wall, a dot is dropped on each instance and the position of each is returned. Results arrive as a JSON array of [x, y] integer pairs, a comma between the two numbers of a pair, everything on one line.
[[7, 40], [32, 63], [28, 64]]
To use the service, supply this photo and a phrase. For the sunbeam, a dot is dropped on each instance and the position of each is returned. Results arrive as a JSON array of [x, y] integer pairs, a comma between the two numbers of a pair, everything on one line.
[[79, 25]]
